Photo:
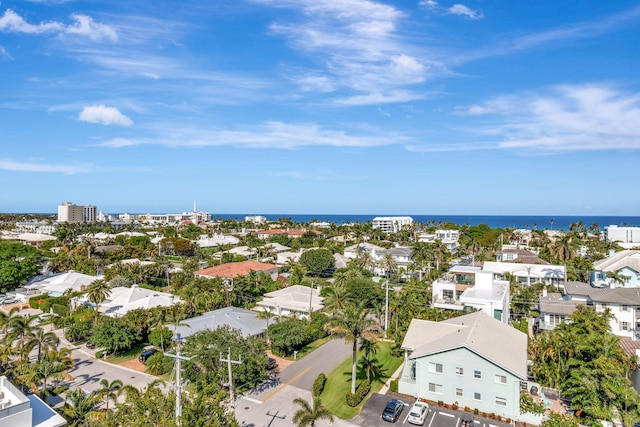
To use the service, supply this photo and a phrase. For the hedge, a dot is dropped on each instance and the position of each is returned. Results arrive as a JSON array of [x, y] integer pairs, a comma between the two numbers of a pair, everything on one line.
[[318, 385], [363, 389]]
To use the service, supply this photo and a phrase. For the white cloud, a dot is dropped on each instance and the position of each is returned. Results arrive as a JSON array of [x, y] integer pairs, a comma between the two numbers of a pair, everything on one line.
[[3, 52], [360, 47], [568, 118], [429, 4], [83, 26], [104, 115], [36, 167], [271, 134], [460, 9]]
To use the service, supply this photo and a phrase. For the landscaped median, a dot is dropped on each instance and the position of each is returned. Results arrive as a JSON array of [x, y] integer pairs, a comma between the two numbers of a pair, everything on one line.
[[338, 384]]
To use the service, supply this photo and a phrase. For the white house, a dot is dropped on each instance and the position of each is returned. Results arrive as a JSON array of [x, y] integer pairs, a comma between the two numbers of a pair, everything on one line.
[[20, 410], [246, 321], [467, 287], [57, 284], [449, 238], [354, 251], [528, 274], [294, 301], [123, 299], [473, 361]]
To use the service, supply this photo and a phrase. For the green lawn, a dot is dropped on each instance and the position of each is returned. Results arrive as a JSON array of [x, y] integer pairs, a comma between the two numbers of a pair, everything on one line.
[[339, 382], [309, 348], [132, 353]]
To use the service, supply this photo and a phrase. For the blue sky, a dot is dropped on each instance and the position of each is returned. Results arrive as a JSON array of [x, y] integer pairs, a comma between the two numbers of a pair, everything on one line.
[[310, 106]]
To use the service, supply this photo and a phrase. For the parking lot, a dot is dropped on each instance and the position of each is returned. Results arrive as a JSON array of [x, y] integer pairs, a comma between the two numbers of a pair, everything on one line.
[[438, 417]]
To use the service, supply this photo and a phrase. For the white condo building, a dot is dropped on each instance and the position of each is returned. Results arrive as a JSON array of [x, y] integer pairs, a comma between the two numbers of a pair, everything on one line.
[[627, 237], [391, 224]]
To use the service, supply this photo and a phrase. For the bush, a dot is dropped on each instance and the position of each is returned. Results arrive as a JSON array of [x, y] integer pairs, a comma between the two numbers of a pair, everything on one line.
[[158, 364], [318, 385], [34, 302], [393, 386], [363, 389], [60, 310]]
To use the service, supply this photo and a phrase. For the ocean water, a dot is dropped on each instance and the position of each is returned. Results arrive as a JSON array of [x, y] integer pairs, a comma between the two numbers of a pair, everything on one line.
[[493, 221]]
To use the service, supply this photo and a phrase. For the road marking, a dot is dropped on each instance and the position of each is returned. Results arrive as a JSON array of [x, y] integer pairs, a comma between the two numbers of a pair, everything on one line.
[[259, 402], [287, 383], [447, 415]]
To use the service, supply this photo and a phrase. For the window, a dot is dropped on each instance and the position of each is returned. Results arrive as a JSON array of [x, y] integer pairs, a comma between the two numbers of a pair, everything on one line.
[[502, 379], [459, 371], [447, 295], [624, 326], [624, 307], [501, 401], [477, 375], [435, 367], [477, 396], [556, 319], [435, 388], [459, 392], [413, 370]]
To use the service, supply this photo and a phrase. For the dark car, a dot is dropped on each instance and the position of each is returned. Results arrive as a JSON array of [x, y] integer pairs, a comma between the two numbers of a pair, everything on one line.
[[466, 419], [91, 344], [271, 364], [146, 355], [393, 410]]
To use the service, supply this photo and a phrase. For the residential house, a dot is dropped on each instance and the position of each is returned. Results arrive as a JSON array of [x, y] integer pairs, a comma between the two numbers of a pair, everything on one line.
[[554, 309], [356, 251], [622, 303], [449, 238], [122, 300], [468, 287], [295, 301], [231, 270], [520, 256], [473, 361], [265, 234], [623, 266], [206, 241], [56, 284], [20, 410], [527, 274], [246, 321]]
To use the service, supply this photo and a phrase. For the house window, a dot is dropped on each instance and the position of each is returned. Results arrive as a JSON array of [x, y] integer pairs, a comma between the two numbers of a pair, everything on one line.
[[477, 375], [477, 396], [624, 326], [556, 319], [604, 305], [459, 370], [624, 307], [413, 370], [501, 379], [447, 295], [459, 392], [435, 388], [501, 401], [435, 367]]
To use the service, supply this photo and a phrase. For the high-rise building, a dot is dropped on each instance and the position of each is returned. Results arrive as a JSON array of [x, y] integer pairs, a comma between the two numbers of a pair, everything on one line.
[[68, 212], [391, 224]]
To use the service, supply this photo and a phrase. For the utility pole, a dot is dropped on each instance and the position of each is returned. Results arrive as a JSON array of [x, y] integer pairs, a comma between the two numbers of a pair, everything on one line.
[[179, 384], [229, 362], [310, 299]]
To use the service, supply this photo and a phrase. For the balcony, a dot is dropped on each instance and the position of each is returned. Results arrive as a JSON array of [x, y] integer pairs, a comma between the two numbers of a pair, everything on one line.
[[448, 303]]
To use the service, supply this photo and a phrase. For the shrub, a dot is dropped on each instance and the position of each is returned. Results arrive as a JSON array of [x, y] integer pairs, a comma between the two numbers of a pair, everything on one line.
[[34, 302], [393, 386], [60, 310], [318, 385], [158, 364], [354, 399]]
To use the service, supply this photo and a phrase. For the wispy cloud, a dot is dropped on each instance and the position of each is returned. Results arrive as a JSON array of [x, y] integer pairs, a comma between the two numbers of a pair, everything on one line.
[[271, 134], [563, 118], [10, 165], [460, 9], [104, 115], [4, 53], [361, 48], [82, 25]]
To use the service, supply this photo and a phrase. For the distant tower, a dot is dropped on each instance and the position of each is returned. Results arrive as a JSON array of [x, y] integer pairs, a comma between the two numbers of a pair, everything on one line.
[[194, 217]]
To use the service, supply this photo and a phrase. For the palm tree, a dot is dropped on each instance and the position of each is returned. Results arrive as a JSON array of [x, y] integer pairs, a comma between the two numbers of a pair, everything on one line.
[[352, 325], [307, 415], [40, 339], [336, 297], [79, 407], [110, 390], [98, 291]]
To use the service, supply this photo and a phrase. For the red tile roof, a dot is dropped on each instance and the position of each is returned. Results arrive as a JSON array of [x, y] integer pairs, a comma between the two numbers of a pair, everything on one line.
[[235, 269]]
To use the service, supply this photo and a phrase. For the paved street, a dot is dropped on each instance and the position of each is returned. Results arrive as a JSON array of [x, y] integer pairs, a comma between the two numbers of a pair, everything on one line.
[[303, 373]]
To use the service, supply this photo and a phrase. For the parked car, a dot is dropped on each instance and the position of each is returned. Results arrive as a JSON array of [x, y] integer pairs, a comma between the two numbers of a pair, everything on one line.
[[466, 419], [146, 354], [272, 364], [392, 410], [10, 300], [418, 413], [91, 344]]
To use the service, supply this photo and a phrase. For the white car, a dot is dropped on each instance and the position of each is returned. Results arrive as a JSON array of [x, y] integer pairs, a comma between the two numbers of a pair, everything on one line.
[[418, 413]]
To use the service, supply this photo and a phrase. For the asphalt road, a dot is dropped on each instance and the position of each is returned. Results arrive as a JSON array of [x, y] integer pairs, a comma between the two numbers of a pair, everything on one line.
[[303, 373]]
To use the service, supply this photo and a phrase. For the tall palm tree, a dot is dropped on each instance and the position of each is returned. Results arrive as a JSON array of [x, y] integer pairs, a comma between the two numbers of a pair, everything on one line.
[[79, 407], [40, 339], [110, 390], [98, 291], [352, 325], [336, 296], [307, 415]]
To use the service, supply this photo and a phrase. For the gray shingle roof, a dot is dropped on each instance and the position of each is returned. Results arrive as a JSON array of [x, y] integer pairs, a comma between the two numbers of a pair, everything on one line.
[[478, 332], [620, 260], [237, 318]]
